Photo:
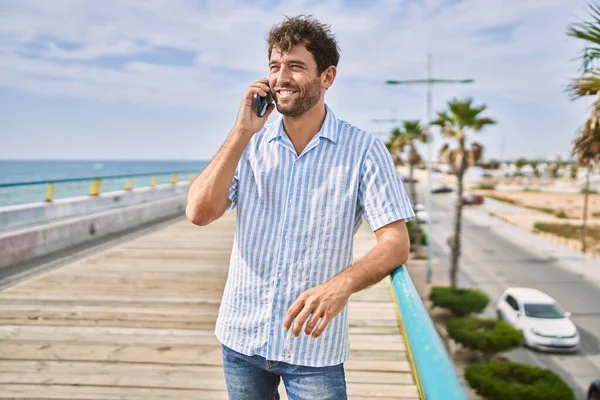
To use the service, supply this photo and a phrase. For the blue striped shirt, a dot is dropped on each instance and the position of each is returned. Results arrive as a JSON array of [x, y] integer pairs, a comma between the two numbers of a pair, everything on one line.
[[296, 218]]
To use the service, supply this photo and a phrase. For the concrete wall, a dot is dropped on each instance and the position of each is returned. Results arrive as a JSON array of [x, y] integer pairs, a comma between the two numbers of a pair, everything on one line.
[[20, 216], [27, 243]]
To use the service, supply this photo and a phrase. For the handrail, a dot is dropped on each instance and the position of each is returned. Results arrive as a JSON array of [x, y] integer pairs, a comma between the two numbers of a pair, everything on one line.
[[90, 178], [434, 372], [14, 196]]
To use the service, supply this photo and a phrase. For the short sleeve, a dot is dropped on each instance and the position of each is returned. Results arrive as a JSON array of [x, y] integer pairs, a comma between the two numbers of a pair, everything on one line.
[[381, 193], [233, 189]]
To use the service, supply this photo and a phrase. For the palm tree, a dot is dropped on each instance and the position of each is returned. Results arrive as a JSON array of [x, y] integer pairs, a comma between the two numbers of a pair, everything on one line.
[[587, 145], [392, 147], [460, 116], [587, 148], [411, 132]]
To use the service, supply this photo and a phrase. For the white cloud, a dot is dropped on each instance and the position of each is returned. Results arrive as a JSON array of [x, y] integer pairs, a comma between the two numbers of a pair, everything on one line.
[[515, 74]]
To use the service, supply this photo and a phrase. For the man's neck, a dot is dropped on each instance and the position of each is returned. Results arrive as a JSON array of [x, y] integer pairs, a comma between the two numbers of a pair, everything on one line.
[[303, 128]]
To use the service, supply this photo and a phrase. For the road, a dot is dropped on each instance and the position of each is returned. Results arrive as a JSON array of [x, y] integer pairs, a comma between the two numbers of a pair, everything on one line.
[[493, 262]]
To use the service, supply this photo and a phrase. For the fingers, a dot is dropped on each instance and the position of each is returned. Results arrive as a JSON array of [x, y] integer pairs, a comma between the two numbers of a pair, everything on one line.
[[292, 312], [322, 325], [313, 320], [260, 87], [301, 318]]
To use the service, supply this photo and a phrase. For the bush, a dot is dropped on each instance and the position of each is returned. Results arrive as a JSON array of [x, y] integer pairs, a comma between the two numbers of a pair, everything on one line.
[[487, 336], [561, 214], [508, 380], [410, 226], [460, 301], [486, 186]]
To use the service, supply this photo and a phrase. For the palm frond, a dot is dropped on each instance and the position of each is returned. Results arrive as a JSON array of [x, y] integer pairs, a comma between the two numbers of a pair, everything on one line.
[[587, 85], [589, 31], [587, 145]]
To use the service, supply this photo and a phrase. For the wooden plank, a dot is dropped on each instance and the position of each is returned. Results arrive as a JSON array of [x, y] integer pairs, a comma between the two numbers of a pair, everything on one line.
[[68, 392], [137, 322]]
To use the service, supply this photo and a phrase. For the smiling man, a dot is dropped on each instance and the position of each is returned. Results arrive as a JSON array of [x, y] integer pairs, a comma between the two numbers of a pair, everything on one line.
[[301, 186]]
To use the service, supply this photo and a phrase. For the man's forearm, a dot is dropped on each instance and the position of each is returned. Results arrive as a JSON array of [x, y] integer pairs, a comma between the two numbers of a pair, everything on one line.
[[207, 195], [386, 256]]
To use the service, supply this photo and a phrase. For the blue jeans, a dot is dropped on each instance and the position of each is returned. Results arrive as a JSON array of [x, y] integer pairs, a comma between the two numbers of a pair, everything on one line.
[[255, 378]]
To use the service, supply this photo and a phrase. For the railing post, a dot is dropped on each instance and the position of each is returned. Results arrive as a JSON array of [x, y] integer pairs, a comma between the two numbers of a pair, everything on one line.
[[95, 188], [153, 181], [50, 193], [174, 178], [129, 184]]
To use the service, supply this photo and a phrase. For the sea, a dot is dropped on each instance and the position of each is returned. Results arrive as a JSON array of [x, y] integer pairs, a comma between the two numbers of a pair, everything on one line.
[[26, 173]]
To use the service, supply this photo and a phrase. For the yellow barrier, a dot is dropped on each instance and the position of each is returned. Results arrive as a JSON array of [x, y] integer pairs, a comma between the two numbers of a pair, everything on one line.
[[174, 178], [50, 193], [129, 184], [95, 188], [153, 182]]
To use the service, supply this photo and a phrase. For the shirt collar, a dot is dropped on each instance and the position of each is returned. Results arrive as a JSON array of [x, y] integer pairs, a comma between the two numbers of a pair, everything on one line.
[[329, 129]]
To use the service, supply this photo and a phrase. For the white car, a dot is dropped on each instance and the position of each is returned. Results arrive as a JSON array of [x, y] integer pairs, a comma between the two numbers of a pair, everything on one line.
[[544, 324], [419, 207]]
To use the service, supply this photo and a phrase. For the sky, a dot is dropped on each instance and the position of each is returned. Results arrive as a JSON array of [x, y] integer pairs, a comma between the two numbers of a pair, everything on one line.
[[162, 79]]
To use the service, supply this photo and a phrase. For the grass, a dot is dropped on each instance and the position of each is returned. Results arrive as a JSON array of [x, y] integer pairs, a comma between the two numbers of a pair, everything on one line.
[[546, 210], [567, 230], [502, 199], [486, 186]]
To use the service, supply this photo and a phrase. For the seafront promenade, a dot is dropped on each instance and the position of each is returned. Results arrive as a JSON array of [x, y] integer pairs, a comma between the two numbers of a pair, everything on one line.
[[136, 321]]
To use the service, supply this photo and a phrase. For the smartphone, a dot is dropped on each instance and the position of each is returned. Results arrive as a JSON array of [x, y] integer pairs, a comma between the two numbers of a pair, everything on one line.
[[263, 102]]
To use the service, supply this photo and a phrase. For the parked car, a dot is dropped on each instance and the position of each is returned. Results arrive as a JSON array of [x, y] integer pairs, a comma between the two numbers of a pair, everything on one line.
[[594, 390], [471, 199], [441, 189], [544, 324]]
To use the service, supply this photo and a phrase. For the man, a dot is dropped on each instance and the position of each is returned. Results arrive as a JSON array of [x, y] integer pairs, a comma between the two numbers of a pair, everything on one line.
[[301, 186]]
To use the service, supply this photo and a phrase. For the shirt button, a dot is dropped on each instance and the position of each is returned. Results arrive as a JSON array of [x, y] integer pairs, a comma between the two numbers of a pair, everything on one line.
[[292, 201]]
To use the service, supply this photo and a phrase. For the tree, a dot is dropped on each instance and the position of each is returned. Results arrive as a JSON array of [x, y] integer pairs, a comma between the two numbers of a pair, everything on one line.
[[392, 147], [520, 163], [454, 122], [406, 136], [534, 166], [587, 144]]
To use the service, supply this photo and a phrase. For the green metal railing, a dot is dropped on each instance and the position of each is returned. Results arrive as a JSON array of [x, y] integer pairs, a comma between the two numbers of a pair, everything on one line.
[[50, 190]]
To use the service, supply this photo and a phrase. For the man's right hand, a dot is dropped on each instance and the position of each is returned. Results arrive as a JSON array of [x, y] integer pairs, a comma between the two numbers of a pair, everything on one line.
[[247, 120]]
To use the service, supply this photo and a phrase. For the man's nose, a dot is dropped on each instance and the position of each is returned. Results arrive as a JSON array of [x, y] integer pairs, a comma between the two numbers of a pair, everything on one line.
[[284, 76]]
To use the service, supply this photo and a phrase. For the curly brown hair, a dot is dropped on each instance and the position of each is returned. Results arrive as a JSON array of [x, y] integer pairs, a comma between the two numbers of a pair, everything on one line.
[[316, 36]]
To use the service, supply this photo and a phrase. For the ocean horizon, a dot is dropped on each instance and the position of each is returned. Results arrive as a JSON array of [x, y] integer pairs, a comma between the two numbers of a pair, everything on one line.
[[33, 170], [27, 172]]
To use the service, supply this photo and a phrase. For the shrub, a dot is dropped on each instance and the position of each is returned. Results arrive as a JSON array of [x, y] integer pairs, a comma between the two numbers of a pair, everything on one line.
[[508, 380], [460, 301], [486, 186], [410, 226], [487, 336], [561, 214]]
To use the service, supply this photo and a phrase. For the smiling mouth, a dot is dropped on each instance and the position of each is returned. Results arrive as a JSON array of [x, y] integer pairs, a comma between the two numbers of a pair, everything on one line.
[[284, 93]]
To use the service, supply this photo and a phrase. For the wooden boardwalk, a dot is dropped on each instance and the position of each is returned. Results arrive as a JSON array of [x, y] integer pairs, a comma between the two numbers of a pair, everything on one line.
[[136, 322]]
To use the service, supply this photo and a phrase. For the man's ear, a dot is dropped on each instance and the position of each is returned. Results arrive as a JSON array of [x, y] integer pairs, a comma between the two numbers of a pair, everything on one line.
[[328, 76]]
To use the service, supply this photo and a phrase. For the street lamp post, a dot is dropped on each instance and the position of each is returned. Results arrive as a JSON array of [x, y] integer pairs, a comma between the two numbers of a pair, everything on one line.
[[430, 81]]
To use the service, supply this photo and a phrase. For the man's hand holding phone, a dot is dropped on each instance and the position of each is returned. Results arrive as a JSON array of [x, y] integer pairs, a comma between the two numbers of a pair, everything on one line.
[[248, 119]]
